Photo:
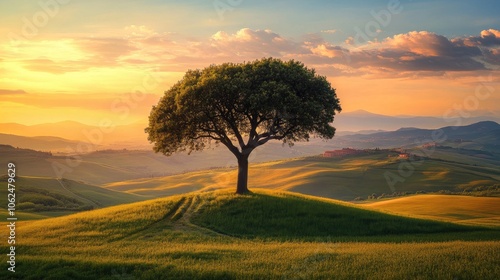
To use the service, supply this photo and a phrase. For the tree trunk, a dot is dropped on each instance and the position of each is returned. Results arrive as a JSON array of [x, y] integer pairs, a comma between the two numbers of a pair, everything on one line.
[[241, 187]]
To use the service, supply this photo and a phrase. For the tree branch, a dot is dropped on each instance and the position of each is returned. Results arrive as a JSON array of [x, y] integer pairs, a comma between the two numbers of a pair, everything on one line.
[[229, 118], [206, 136]]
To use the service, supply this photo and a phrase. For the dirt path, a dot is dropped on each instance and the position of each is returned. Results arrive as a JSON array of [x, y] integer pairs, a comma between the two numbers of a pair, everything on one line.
[[178, 218], [182, 219]]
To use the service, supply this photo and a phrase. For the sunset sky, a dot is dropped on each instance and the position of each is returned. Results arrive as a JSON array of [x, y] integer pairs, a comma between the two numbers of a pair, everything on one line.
[[92, 60]]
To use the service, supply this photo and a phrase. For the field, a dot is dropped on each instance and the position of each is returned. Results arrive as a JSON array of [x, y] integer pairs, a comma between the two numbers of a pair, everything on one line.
[[453, 208], [300, 222], [344, 179], [108, 166], [39, 197], [264, 235]]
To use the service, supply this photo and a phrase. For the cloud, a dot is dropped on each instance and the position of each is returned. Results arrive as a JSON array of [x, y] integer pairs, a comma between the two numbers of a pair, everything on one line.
[[50, 66], [12, 92], [329, 50], [401, 54], [329, 31], [490, 37], [106, 50], [140, 31], [253, 43], [418, 51], [91, 102]]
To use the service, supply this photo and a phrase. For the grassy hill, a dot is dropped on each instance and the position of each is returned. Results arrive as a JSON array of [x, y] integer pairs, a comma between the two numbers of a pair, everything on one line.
[[345, 179], [452, 208], [40, 197], [264, 235], [108, 166]]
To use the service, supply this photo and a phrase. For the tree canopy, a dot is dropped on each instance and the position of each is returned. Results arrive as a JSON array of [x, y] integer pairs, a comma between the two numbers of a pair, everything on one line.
[[243, 106]]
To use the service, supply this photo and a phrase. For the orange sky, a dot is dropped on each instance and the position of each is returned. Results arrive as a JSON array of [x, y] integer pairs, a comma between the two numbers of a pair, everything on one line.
[[87, 71]]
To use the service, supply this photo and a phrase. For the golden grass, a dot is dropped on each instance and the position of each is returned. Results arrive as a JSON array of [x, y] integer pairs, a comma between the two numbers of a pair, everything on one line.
[[140, 238], [345, 179], [434, 175], [288, 260], [262, 175], [451, 208]]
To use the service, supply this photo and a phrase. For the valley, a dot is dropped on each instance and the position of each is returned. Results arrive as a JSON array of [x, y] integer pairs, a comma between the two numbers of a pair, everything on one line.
[[366, 215]]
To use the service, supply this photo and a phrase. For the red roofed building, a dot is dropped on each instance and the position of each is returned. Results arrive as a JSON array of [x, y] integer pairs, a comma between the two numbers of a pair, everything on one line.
[[342, 153]]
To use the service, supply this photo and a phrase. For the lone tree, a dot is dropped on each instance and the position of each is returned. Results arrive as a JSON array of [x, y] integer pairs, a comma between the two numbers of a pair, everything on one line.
[[243, 106]]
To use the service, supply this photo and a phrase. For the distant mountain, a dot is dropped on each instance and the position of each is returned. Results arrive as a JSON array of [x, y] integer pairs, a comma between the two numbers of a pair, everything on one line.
[[118, 137], [132, 136], [364, 120], [45, 143], [127, 137], [481, 136], [67, 129]]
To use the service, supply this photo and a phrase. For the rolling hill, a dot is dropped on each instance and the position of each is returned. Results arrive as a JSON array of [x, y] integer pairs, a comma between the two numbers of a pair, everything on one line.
[[477, 142], [346, 178], [107, 166], [39, 197], [153, 175], [263, 235], [451, 208]]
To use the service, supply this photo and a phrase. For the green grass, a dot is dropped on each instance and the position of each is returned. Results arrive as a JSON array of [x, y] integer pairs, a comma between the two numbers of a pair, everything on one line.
[[38, 194], [470, 210], [344, 179], [143, 172], [219, 235], [288, 216]]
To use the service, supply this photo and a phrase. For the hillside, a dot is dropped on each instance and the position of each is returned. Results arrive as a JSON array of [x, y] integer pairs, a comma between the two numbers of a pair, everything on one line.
[[475, 144], [450, 208], [107, 166], [262, 214], [345, 178], [146, 173], [41, 196], [218, 235]]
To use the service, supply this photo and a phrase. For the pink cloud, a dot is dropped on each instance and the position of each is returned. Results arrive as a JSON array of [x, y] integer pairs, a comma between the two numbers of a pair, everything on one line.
[[12, 91], [253, 43], [421, 43], [402, 53]]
